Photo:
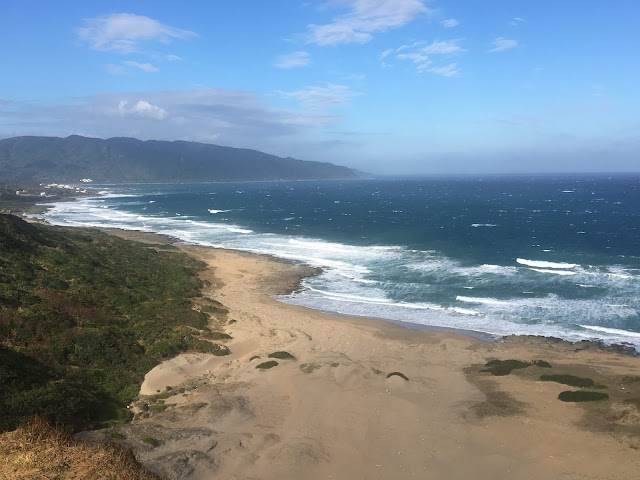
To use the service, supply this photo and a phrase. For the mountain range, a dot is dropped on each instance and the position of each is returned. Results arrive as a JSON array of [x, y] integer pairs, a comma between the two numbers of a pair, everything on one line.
[[33, 159]]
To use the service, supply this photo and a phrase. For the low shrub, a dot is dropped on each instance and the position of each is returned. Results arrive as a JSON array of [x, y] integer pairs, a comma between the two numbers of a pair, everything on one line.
[[582, 396], [151, 441], [267, 365], [504, 367], [398, 374], [570, 380], [281, 356], [541, 364]]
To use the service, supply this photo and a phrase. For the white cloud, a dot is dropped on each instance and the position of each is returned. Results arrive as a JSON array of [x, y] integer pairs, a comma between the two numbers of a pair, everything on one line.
[[515, 21], [500, 44], [292, 60], [173, 58], [386, 53], [421, 54], [450, 70], [142, 108], [231, 117], [450, 47], [147, 67], [321, 98], [363, 18], [450, 23], [124, 32]]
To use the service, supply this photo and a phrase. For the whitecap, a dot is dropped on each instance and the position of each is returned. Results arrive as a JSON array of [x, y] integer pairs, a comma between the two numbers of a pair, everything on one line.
[[544, 264]]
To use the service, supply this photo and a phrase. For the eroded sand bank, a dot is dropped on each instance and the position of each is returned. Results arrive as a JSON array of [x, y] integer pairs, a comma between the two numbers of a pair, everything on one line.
[[333, 413]]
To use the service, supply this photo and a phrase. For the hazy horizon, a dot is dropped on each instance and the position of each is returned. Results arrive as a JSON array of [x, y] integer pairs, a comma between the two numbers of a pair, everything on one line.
[[387, 87]]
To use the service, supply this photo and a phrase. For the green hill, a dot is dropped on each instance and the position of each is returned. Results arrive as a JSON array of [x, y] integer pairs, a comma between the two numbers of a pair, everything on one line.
[[128, 160], [84, 316]]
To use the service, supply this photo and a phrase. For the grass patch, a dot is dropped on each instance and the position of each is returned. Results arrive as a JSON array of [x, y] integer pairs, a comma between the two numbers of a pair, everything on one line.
[[281, 356], [117, 436], [267, 365], [504, 367], [570, 380], [309, 367], [214, 309], [634, 401], [582, 396], [398, 374], [254, 358], [541, 364], [39, 451], [151, 441], [83, 317], [209, 335], [166, 247], [158, 408]]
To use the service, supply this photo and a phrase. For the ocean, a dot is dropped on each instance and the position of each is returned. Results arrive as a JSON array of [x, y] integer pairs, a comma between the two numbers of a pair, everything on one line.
[[535, 255]]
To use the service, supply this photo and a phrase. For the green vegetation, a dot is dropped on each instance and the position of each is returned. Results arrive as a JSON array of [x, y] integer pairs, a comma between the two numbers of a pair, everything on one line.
[[124, 160], [309, 367], [267, 365], [570, 380], [118, 436], [151, 441], [582, 396], [504, 367], [253, 358], [281, 356], [83, 317], [214, 310], [541, 364], [398, 374], [216, 336]]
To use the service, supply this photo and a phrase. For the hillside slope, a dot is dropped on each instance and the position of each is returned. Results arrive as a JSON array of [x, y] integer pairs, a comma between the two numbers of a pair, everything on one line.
[[128, 160]]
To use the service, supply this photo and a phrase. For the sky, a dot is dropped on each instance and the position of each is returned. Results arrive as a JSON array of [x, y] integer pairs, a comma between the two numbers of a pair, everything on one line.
[[385, 86]]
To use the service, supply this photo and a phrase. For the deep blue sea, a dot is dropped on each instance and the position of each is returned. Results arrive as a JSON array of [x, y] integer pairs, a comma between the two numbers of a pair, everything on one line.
[[540, 255]]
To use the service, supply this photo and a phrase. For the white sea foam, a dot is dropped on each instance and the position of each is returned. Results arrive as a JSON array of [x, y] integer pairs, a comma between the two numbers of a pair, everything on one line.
[[476, 225], [485, 301], [612, 331], [555, 272], [544, 264]]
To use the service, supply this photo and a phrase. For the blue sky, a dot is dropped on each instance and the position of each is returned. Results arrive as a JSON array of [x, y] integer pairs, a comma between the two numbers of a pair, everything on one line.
[[387, 86]]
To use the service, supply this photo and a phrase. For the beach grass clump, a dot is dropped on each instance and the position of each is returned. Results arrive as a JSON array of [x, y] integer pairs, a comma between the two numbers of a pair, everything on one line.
[[542, 364], [212, 335], [309, 367], [281, 356], [254, 358], [158, 408], [582, 396], [398, 374], [39, 450], [117, 436], [220, 310], [570, 380], [267, 365], [504, 367], [151, 441]]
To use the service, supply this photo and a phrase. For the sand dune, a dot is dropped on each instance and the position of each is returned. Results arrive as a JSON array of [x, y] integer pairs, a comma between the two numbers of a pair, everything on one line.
[[332, 412]]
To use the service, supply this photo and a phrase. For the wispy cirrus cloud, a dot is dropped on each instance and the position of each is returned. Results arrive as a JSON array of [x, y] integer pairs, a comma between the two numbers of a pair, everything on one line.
[[126, 33], [501, 44], [515, 21], [316, 98], [421, 55], [292, 60], [364, 18]]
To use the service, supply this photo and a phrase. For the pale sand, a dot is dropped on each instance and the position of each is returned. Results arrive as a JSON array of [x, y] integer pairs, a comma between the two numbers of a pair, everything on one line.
[[343, 419]]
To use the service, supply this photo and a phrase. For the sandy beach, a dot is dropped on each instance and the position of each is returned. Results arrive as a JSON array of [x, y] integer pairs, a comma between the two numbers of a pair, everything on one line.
[[333, 411]]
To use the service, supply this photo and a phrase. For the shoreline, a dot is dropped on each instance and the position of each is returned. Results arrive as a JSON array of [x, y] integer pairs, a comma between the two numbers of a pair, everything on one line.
[[341, 409], [154, 237]]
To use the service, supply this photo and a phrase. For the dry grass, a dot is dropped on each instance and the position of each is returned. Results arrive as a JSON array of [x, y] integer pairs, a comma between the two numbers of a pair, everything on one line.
[[37, 451]]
